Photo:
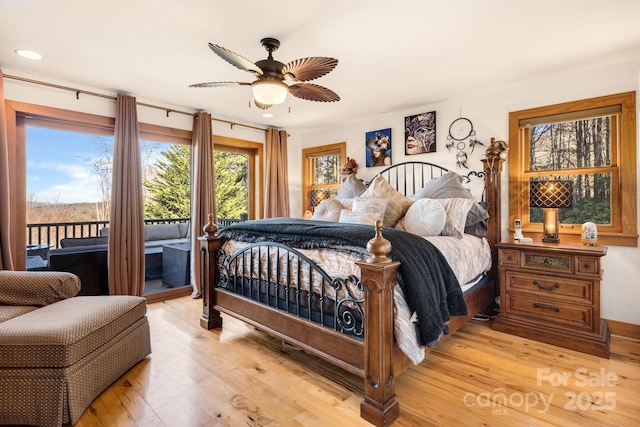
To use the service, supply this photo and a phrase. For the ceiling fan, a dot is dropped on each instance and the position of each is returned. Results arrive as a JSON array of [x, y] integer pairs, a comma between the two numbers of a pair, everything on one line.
[[270, 87]]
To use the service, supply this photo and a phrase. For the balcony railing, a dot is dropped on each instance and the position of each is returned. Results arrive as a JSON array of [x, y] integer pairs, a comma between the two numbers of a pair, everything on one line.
[[50, 234]]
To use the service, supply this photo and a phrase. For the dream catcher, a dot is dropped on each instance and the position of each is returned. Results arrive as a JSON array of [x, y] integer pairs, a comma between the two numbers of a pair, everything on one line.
[[460, 131]]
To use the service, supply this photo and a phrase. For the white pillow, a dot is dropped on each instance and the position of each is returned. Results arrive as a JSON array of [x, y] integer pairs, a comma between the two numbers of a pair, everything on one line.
[[346, 203], [367, 218], [377, 206], [426, 217], [457, 210], [351, 187], [328, 210]]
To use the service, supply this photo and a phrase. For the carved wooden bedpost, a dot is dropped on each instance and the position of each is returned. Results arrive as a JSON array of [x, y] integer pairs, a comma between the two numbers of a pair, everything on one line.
[[493, 169], [380, 406], [210, 245]]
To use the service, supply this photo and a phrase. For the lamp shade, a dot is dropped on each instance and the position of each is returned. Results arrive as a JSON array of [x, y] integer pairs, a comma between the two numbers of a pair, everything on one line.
[[551, 194], [270, 92], [316, 196]]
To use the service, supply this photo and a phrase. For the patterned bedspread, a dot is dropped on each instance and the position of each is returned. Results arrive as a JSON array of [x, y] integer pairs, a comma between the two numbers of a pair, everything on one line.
[[468, 257]]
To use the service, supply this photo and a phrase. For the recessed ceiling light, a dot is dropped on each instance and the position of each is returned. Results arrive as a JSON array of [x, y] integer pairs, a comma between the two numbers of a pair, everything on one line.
[[28, 54], [267, 115]]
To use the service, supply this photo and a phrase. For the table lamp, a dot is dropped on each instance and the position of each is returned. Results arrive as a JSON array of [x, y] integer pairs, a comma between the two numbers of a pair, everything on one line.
[[316, 196], [551, 195]]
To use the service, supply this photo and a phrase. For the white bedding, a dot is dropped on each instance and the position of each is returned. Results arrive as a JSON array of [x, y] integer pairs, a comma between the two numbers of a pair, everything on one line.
[[469, 257]]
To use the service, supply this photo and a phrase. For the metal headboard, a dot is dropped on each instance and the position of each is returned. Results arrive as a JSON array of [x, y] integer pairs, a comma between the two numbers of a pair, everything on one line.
[[409, 177]]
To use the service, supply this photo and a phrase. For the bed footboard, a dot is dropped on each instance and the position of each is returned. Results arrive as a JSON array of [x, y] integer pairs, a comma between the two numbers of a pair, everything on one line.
[[374, 360]]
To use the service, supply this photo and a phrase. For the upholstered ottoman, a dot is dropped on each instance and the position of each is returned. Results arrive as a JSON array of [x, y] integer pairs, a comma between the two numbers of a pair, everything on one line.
[[55, 360]]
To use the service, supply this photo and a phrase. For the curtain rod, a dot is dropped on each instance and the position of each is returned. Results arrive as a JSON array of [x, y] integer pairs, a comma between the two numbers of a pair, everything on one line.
[[99, 95]]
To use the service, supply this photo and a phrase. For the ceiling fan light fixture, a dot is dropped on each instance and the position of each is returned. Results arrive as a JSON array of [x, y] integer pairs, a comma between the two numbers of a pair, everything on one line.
[[269, 92]]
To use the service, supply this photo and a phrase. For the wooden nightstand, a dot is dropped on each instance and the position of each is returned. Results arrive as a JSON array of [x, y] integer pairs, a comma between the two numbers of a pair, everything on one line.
[[550, 292]]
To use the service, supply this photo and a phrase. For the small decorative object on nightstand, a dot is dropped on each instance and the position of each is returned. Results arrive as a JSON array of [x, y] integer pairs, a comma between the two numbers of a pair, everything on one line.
[[589, 234], [551, 293]]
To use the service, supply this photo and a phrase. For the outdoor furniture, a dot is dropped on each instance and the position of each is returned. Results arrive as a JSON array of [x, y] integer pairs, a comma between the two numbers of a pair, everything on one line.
[[152, 263], [38, 249], [35, 262], [175, 265]]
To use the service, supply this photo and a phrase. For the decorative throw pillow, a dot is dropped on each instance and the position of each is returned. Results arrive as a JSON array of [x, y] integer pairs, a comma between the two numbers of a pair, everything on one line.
[[37, 288], [346, 203], [379, 188], [426, 217], [377, 206], [328, 210], [367, 218], [351, 187], [449, 186], [457, 210]]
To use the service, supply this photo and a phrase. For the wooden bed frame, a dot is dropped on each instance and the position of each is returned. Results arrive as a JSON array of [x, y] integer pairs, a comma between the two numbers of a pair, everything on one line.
[[377, 359]]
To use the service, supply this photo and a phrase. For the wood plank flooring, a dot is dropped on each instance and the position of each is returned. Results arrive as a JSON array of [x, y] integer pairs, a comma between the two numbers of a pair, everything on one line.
[[238, 376]]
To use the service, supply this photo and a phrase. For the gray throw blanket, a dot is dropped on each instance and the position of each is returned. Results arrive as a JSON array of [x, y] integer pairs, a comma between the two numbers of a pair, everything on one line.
[[430, 286]]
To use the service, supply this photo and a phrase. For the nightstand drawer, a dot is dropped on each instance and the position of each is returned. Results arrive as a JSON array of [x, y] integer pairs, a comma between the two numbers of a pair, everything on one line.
[[549, 310], [558, 263], [551, 287], [588, 265], [508, 257]]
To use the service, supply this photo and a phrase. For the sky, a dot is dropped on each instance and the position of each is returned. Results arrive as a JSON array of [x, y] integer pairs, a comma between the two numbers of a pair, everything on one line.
[[59, 165]]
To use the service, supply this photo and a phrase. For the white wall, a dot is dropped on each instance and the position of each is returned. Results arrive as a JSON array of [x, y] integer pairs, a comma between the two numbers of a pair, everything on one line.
[[489, 110]]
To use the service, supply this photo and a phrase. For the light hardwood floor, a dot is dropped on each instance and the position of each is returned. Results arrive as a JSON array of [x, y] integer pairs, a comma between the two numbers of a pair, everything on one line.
[[238, 376]]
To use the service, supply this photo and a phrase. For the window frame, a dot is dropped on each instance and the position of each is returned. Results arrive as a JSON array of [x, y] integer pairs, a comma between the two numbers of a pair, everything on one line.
[[308, 154], [255, 151], [623, 228]]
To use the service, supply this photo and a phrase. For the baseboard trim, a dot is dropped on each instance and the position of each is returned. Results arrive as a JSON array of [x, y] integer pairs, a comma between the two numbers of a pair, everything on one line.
[[622, 329]]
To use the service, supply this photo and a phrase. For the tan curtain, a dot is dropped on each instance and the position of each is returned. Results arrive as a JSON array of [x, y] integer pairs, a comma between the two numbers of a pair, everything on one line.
[[276, 202], [6, 260], [203, 193], [126, 234]]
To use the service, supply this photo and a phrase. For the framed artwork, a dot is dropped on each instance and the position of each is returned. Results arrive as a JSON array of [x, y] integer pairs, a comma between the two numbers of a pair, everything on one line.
[[378, 147], [420, 133]]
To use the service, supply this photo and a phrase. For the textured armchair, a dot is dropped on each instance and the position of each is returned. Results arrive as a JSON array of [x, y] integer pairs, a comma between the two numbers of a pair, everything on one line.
[[59, 351]]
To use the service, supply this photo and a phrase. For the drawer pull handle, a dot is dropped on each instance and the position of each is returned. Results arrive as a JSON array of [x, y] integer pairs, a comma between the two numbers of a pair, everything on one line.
[[548, 307], [544, 288], [587, 266], [510, 258]]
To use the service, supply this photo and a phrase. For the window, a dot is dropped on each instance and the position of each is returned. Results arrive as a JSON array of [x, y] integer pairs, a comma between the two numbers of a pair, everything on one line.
[[166, 174], [591, 143], [321, 175], [239, 178], [66, 176]]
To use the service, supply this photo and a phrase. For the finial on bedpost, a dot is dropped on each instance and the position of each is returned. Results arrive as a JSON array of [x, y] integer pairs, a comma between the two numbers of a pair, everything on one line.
[[379, 247], [210, 229]]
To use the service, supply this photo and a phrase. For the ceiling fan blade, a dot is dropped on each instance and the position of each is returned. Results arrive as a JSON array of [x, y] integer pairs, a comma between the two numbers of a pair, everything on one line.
[[234, 59], [261, 106], [305, 69], [220, 84], [313, 92]]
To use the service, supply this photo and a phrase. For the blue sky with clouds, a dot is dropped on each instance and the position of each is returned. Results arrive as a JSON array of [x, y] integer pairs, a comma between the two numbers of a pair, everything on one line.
[[59, 166]]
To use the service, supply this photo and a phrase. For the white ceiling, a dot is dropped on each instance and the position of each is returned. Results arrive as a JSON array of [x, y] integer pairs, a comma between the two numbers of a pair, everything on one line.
[[393, 55]]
